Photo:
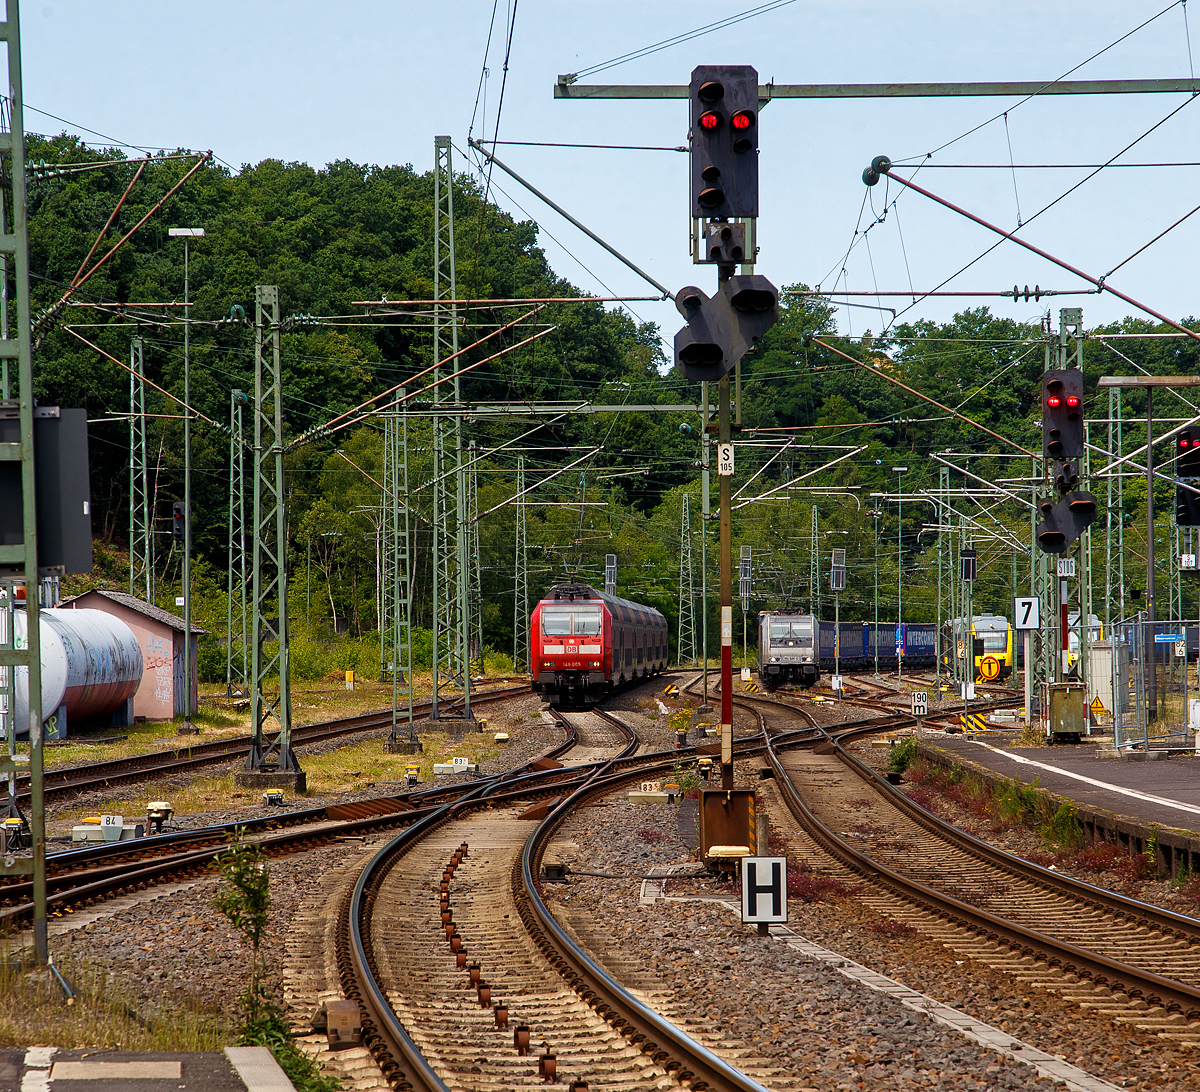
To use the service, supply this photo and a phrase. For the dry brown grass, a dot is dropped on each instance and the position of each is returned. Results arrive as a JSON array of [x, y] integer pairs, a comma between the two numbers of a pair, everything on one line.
[[35, 1009]]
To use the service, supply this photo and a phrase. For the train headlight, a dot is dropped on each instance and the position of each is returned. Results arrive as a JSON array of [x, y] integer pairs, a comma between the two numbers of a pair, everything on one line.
[[547, 663], [593, 663], [774, 659]]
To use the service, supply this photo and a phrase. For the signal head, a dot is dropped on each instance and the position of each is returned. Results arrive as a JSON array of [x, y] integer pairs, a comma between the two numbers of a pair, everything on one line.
[[710, 121], [710, 92], [1054, 401]]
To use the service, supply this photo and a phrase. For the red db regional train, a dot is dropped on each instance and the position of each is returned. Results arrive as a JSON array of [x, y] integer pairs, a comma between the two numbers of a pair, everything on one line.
[[583, 644]]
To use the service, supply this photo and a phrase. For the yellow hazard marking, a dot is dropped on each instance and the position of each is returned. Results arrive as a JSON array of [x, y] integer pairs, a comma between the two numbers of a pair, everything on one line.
[[752, 687], [972, 722], [1098, 707], [672, 691]]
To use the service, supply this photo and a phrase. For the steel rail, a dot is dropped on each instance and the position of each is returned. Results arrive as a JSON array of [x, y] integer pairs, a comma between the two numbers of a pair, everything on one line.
[[604, 993], [1111, 973], [1182, 926], [66, 779]]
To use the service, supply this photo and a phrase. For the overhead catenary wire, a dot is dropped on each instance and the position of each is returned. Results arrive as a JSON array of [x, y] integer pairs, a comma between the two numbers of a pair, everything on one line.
[[679, 39]]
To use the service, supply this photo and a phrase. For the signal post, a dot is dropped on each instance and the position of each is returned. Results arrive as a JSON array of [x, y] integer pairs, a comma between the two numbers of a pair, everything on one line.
[[723, 327]]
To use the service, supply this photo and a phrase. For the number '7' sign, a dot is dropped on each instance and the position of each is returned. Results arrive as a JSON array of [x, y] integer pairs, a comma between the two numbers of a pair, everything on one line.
[[1026, 612]]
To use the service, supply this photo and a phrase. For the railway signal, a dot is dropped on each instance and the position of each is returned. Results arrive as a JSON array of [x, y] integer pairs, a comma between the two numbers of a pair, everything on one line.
[[1062, 522], [178, 519], [724, 176], [722, 328], [1187, 465]]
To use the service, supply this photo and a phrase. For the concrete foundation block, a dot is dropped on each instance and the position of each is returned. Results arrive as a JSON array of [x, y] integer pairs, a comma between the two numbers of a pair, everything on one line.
[[404, 747], [295, 780]]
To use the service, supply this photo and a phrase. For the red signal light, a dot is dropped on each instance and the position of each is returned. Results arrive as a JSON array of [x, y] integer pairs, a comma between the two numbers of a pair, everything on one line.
[[1072, 400], [1196, 443], [741, 120], [710, 121], [1054, 401]]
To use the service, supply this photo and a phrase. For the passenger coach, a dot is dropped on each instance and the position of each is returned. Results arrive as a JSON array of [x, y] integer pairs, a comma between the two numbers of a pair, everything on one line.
[[584, 643]]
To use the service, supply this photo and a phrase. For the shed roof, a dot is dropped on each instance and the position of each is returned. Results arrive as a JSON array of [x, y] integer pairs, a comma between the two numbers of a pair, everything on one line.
[[132, 602]]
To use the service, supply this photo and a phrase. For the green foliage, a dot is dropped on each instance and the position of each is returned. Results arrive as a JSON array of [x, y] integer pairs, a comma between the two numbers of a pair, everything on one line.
[[350, 232], [244, 897], [1063, 830], [686, 777], [245, 894], [902, 755], [269, 1028], [1016, 802]]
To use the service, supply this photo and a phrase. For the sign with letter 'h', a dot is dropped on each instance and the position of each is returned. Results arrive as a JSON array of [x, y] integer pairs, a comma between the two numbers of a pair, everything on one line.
[[764, 889]]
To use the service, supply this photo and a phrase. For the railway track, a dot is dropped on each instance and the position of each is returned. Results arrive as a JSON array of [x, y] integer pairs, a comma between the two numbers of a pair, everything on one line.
[[65, 780], [1129, 961], [502, 996]]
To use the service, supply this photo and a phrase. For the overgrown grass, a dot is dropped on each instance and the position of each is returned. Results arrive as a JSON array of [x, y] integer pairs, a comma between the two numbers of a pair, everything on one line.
[[345, 769], [35, 1009]]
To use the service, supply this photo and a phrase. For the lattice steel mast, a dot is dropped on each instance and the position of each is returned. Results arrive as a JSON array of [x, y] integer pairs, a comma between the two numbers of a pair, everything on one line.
[[450, 591], [19, 562], [238, 577], [521, 579], [141, 523], [396, 560], [270, 624], [686, 649]]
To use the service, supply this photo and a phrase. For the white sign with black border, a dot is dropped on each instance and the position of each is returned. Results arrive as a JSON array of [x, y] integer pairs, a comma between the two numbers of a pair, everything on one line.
[[764, 890], [725, 460], [1027, 612], [920, 703]]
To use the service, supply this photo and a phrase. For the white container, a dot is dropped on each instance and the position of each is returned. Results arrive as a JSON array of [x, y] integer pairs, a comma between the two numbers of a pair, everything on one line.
[[91, 661]]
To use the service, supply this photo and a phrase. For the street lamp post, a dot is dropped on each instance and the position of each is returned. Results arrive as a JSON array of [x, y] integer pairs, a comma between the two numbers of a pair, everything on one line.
[[899, 471], [186, 234]]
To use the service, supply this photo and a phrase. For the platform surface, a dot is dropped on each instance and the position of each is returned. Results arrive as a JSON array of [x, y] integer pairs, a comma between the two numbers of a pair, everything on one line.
[[1166, 792], [47, 1069]]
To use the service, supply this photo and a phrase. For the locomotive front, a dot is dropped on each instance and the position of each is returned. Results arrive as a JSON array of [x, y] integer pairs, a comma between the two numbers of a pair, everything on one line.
[[785, 649], [570, 643]]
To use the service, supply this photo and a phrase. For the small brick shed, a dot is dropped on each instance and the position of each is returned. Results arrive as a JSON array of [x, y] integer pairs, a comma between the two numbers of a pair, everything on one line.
[[160, 635]]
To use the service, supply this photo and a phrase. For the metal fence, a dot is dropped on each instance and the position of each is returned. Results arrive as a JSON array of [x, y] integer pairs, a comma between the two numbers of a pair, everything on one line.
[[1153, 683]]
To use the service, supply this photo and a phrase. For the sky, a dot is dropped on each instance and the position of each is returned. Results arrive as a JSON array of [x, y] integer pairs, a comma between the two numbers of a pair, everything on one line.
[[374, 82]]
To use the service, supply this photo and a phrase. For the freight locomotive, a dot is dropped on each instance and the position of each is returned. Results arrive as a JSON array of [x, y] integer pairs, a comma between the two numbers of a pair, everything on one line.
[[795, 647], [584, 643]]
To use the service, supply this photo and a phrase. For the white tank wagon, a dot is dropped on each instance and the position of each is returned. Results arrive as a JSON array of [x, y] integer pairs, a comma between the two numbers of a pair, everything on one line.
[[91, 661]]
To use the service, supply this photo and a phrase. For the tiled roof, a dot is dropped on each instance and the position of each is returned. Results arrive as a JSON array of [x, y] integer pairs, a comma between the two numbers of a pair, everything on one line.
[[139, 605]]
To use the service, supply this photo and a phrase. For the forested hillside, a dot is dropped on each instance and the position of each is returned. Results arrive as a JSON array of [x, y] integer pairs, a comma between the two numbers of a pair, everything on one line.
[[349, 233]]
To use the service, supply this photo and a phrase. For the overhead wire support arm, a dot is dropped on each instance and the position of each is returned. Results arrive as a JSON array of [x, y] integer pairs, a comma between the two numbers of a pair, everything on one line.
[[997, 89], [667, 294], [924, 397], [1099, 282]]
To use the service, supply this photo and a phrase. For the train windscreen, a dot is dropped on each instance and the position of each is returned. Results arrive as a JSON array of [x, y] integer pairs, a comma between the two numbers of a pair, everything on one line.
[[790, 632], [563, 621]]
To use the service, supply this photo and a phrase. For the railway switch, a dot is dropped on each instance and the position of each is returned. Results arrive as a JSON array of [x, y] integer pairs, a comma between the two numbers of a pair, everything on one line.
[[157, 813], [412, 776], [273, 798]]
